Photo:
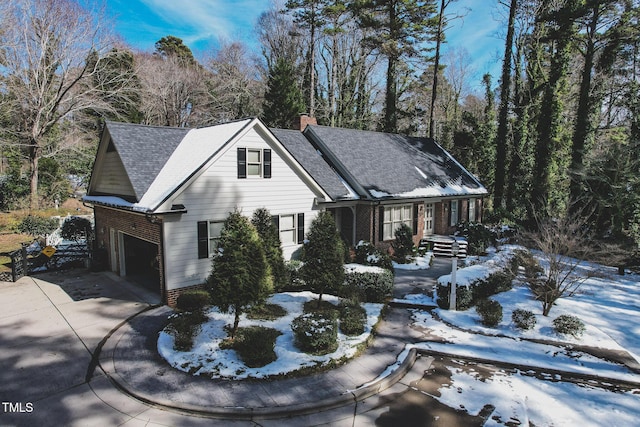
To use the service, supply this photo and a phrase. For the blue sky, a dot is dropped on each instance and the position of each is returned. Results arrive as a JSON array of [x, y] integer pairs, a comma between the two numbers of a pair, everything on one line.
[[202, 23]]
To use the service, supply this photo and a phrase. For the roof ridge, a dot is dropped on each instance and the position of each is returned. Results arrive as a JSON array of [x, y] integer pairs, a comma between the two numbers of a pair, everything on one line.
[[112, 123]]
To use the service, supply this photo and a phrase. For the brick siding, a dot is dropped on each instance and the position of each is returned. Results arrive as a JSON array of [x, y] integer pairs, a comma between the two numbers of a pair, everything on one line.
[[133, 224]]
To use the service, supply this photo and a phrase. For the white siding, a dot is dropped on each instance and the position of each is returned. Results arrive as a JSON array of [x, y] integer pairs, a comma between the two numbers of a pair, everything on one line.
[[217, 192], [113, 178]]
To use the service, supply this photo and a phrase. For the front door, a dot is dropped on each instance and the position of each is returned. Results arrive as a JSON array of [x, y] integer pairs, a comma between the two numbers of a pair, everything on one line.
[[428, 219]]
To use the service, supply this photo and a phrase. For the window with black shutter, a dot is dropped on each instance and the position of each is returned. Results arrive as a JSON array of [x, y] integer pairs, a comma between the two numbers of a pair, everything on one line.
[[203, 239], [266, 163], [300, 228], [242, 162]]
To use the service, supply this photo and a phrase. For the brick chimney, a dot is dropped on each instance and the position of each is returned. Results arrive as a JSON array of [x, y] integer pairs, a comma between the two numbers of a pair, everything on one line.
[[301, 122]]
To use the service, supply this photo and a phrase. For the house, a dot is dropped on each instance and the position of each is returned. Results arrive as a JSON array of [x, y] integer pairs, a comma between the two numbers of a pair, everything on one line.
[[161, 195]]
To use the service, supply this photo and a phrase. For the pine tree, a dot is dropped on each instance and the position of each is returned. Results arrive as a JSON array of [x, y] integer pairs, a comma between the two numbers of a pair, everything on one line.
[[283, 101], [323, 255], [240, 275], [268, 232]]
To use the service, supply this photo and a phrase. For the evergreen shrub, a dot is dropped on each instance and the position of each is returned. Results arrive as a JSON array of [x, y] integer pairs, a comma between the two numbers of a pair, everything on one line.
[[368, 254], [523, 319], [315, 333], [478, 236], [255, 345], [294, 276], [490, 312], [403, 247], [266, 312], [367, 286], [569, 325], [184, 327], [353, 318], [193, 300]]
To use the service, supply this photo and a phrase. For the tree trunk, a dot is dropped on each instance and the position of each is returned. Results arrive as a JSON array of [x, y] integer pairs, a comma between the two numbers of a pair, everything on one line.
[[503, 115], [583, 123], [236, 321], [436, 65], [34, 157]]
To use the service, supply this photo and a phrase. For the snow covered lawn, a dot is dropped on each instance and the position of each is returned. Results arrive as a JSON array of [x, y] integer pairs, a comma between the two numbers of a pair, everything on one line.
[[206, 358], [608, 304]]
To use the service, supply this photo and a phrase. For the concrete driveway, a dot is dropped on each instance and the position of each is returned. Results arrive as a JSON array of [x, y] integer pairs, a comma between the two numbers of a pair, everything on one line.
[[52, 325]]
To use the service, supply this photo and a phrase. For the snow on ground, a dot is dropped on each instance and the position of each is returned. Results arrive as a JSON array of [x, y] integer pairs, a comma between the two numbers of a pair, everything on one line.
[[418, 263], [206, 358], [609, 305]]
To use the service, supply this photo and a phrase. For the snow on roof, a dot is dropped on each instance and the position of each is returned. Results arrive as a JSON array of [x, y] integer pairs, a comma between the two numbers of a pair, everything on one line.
[[195, 150]]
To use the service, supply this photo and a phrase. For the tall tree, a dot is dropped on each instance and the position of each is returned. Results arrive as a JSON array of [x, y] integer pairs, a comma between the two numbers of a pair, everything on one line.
[[603, 29], [240, 274], [309, 14], [400, 29], [46, 45], [503, 114], [174, 46], [439, 39], [558, 27], [283, 101]]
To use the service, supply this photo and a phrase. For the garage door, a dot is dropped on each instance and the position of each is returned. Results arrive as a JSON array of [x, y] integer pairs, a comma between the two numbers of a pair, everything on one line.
[[141, 262]]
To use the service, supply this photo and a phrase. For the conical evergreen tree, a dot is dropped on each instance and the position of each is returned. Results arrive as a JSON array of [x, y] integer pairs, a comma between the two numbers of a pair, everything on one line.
[[268, 232], [283, 101], [323, 256], [240, 275]]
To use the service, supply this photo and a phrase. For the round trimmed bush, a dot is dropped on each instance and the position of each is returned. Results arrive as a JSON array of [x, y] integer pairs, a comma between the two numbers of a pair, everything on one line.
[[523, 319], [193, 300], [569, 325], [352, 318], [490, 312], [255, 345], [315, 333]]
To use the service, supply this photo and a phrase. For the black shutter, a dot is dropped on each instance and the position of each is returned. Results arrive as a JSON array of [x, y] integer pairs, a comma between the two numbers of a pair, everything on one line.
[[242, 162], [415, 218], [300, 228], [266, 163], [381, 224], [203, 239], [275, 219]]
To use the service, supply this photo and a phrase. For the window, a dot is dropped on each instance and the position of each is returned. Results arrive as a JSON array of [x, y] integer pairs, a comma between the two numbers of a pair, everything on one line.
[[208, 237], [254, 163], [290, 228], [394, 217], [454, 213], [472, 210]]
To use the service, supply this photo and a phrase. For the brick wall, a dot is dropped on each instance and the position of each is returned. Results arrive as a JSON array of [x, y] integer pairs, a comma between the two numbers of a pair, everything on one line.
[[135, 225], [172, 294]]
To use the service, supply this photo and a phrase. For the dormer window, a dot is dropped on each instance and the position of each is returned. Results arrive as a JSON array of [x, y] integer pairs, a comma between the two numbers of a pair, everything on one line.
[[254, 163]]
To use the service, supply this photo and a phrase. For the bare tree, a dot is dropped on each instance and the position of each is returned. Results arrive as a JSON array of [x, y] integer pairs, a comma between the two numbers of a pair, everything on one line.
[[235, 85], [563, 244], [173, 92], [45, 48]]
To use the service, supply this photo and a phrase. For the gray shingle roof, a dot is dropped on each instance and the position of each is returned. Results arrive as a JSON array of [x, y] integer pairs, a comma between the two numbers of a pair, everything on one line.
[[312, 161], [388, 165], [144, 150]]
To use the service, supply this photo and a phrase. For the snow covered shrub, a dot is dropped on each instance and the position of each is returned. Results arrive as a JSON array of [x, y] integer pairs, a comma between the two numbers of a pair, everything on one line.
[[500, 281], [478, 236], [523, 319], [468, 296], [193, 300], [371, 285], [367, 254], [184, 327], [352, 318], [255, 345], [568, 325], [403, 247], [525, 259], [316, 333], [490, 312]]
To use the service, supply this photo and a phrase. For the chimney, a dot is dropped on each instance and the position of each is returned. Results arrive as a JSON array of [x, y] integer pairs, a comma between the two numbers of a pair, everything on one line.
[[301, 122]]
